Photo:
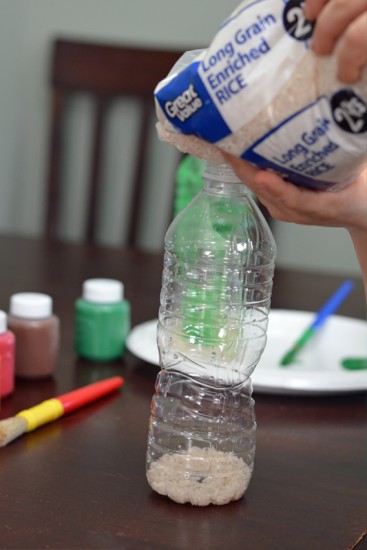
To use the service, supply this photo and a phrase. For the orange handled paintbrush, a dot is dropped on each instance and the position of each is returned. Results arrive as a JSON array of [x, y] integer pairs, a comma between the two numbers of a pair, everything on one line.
[[52, 409]]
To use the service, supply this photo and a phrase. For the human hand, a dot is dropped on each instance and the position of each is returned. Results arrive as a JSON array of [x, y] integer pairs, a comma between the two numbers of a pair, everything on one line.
[[287, 202], [340, 24]]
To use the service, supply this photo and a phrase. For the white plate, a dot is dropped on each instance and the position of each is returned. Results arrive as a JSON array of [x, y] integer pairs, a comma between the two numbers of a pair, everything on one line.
[[317, 368], [142, 342]]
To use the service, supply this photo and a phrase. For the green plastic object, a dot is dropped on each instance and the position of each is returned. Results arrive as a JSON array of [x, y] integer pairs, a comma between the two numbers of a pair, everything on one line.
[[102, 321], [355, 363], [189, 182], [209, 224]]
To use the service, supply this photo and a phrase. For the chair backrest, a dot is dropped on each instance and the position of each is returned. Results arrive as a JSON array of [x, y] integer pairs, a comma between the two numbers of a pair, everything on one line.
[[105, 73]]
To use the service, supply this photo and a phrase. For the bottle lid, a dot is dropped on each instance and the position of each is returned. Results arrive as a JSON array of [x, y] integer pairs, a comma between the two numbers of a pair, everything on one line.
[[31, 305], [3, 322], [103, 291]]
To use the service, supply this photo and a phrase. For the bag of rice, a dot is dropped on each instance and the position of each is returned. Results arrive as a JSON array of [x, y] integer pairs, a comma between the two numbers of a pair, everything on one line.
[[258, 92]]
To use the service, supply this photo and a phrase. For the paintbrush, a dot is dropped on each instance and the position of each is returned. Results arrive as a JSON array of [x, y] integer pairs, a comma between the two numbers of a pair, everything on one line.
[[328, 309], [54, 408]]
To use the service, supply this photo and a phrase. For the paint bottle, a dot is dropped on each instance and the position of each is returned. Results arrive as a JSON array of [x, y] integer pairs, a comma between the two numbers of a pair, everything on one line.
[[7, 357], [102, 320], [37, 333]]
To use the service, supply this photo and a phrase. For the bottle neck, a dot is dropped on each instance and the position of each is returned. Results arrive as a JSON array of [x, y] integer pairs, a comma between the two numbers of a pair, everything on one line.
[[220, 179]]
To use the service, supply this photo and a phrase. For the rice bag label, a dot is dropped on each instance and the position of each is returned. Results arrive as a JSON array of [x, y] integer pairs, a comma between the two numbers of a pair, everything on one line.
[[185, 97], [309, 148], [259, 93], [216, 96]]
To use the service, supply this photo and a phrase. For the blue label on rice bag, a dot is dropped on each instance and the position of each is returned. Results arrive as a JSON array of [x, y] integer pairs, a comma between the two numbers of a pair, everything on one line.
[[188, 106], [308, 147]]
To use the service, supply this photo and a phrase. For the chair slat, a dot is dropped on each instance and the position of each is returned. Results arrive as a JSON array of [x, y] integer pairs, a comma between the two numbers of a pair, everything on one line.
[[106, 72]]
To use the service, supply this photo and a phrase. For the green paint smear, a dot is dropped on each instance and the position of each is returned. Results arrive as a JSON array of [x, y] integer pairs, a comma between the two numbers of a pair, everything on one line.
[[355, 363]]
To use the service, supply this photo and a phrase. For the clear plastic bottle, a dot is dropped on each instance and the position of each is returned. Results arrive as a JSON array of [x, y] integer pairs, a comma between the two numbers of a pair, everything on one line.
[[213, 317]]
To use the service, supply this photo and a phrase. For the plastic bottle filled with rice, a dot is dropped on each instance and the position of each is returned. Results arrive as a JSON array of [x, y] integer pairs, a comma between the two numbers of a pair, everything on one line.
[[215, 300]]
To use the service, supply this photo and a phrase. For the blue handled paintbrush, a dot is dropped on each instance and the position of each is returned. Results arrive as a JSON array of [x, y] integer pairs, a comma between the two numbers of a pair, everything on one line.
[[328, 309]]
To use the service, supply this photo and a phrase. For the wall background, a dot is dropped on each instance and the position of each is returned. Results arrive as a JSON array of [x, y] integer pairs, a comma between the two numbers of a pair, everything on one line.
[[27, 28]]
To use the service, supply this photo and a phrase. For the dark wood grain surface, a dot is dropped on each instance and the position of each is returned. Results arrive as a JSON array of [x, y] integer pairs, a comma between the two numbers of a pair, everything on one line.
[[80, 482]]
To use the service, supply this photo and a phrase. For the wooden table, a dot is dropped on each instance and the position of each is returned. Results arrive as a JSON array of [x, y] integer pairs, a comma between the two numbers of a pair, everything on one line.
[[80, 482]]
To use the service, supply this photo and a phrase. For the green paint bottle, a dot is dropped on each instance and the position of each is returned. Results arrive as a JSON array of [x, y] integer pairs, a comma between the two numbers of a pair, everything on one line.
[[102, 320]]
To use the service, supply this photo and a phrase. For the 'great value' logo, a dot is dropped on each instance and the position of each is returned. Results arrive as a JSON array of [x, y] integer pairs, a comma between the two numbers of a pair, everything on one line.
[[184, 105]]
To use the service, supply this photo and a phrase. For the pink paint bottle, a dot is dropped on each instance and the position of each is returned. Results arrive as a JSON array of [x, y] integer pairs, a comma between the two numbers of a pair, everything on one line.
[[7, 357]]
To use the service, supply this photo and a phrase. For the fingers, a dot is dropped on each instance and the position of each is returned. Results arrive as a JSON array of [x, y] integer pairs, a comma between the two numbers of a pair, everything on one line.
[[333, 20], [284, 200], [287, 202], [244, 170], [352, 50], [312, 8], [345, 22], [248, 174], [280, 197]]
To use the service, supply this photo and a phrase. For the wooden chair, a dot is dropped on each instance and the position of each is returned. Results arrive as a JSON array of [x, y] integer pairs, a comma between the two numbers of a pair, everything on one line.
[[105, 73]]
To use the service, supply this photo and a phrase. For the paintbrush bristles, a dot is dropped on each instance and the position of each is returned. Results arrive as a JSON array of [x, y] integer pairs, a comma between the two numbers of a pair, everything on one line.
[[11, 428]]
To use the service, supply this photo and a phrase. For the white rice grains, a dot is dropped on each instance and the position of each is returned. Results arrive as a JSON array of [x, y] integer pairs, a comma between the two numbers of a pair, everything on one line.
[[200, 476]]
